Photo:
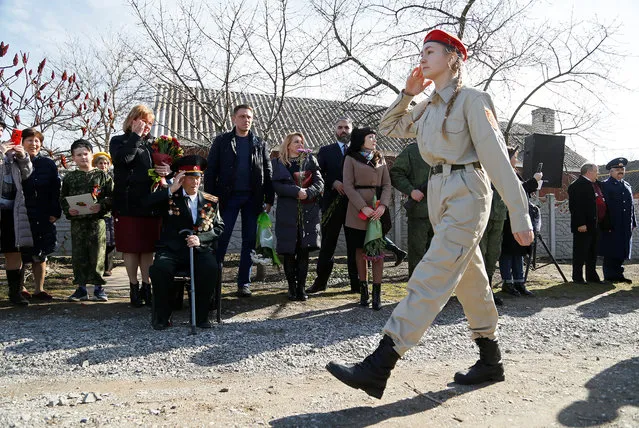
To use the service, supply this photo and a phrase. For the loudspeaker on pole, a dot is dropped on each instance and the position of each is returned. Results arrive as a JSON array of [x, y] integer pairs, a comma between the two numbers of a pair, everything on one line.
[[546, 149]]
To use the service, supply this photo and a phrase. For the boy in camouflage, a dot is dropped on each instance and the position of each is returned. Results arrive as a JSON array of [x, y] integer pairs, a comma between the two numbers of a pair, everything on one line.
[[88, 231]]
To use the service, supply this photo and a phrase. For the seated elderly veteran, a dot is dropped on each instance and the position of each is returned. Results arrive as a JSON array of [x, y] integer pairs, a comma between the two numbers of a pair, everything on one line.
[[185, 208]]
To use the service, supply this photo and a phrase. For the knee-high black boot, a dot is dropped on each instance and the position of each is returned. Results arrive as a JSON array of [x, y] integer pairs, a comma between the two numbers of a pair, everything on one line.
[[487, 368], [290, 273], [377, 297], [364, 296], [371, 374], [13, 279], [400, 254], [301, 273]]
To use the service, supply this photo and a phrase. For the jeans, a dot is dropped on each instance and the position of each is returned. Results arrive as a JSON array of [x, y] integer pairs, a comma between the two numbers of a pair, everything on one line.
[[512, 268], [232, 208]]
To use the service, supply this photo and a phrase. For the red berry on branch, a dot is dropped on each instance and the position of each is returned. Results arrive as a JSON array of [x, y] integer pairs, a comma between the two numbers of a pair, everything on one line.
[[64, 76], [41, 66], [18, 71], [15, 60]]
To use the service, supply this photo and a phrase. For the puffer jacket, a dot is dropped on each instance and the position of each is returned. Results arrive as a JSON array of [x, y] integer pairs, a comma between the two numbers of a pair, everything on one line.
[[21, 169]]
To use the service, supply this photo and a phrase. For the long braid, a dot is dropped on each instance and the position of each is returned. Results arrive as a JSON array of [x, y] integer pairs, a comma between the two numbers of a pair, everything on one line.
[[456, 68]]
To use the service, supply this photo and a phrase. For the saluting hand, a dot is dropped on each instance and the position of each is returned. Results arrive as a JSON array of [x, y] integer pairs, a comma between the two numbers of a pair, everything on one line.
[[416, 82], [177, 182]]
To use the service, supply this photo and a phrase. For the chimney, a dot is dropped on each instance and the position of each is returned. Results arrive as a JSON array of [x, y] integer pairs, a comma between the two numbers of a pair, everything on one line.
[[543, 120]]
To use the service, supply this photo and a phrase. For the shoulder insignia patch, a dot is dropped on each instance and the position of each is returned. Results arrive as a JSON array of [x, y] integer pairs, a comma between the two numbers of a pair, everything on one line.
[[491, 119], [209, 197]]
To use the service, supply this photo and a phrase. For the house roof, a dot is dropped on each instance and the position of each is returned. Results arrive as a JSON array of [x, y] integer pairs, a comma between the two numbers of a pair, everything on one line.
[[312, 117], [175, 114]]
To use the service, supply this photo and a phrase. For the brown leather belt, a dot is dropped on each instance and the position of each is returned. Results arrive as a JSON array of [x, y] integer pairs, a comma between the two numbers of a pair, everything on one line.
[[438, 169]]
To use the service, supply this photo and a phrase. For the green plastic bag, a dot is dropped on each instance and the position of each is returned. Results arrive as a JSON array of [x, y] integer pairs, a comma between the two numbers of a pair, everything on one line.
[[264, 253], [374, 240]]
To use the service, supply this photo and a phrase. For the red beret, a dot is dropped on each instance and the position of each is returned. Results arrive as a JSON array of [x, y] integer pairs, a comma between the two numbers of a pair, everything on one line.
[[443, 37]]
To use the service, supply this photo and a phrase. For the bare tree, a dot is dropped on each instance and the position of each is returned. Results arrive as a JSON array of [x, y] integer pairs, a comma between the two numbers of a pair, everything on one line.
[[281, 51], [525, 61], [107, 69], [188, 52]]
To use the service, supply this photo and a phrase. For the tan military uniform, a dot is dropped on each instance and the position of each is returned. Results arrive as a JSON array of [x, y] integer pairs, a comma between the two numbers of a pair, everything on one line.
[[459, 207]]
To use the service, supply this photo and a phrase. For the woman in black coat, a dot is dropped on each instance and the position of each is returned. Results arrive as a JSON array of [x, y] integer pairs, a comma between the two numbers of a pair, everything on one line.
[[137, 227], [42, 199], [511, 261], [298, 184]]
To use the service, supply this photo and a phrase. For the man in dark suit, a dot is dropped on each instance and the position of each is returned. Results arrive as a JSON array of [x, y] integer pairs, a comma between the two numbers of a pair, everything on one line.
[[239, 173], [587, 210], [184, 207], [334, 204]]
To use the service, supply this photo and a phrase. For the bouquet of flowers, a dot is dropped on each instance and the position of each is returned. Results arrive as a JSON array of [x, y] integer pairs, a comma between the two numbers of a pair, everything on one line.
[[165, 149], [374, 241], [264, 252]]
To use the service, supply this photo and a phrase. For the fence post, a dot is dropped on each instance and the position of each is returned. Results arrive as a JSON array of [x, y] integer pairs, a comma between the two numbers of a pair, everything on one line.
[[552, 230], [397, 219]]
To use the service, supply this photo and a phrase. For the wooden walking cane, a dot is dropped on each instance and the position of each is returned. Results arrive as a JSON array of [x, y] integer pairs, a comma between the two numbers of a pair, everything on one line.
[[192, 294]]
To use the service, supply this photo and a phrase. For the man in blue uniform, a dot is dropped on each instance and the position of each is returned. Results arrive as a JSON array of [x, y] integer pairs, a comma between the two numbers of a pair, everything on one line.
[[616, 241]]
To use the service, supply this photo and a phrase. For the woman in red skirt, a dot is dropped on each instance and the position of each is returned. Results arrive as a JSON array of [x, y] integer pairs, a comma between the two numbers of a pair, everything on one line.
[[137, 227]]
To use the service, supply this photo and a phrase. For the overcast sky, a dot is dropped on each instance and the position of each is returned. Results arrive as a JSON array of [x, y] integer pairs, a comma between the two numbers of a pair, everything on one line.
[[39, 26]]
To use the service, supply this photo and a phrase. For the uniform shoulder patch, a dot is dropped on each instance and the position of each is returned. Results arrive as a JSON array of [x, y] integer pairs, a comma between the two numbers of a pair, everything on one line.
[[491, 118], [209, 197]]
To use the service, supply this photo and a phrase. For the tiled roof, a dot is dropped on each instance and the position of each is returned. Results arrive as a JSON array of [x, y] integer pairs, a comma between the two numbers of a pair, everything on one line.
[[313, 117]]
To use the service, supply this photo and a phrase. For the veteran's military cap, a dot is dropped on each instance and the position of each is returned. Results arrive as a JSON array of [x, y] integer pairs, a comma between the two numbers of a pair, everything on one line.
[[191, 165], [617, 163]]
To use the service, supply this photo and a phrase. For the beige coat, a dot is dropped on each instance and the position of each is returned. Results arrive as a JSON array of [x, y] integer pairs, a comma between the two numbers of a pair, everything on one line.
[[356, 174], [473, 135]]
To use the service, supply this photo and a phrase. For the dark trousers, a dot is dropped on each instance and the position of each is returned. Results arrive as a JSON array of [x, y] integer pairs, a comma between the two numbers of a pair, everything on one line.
[[108, 258], [296, 267], [511, 268], [330, 236], [232, 208], [165, 265], [584, 251], [612, 268]]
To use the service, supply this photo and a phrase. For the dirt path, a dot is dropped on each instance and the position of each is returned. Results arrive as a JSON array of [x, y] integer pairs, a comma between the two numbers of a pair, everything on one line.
[[540, 391]]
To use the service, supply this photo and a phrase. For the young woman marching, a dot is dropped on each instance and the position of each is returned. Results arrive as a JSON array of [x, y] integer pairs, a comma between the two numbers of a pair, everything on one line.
[[458, 135]]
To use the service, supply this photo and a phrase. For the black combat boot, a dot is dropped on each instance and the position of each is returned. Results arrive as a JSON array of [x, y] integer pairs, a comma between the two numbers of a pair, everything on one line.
[[400, 255], [13, 279], [377, 297], [289, 272], [134, 295], [363, 293], [146, 294], [487, 368], [521, 287], [371, 374], [509, 287]]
